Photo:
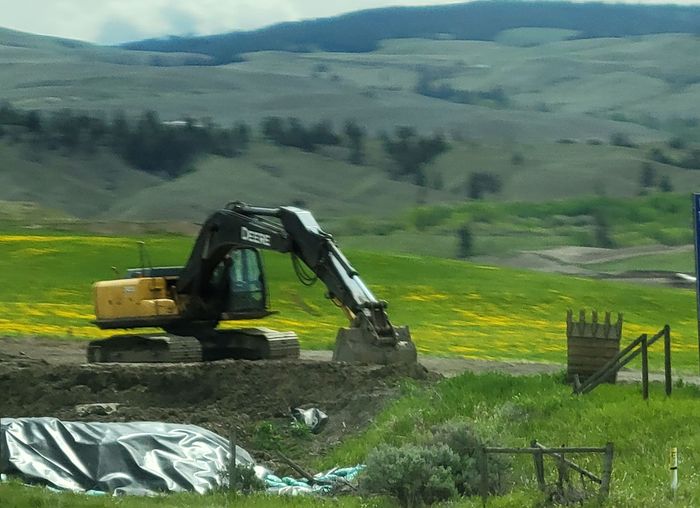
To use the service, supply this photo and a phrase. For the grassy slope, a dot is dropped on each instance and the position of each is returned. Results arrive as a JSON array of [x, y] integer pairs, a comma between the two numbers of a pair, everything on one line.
[[80, 185], [502, 229], [513, 411], [335, 189], [274, 176], [452, 307]]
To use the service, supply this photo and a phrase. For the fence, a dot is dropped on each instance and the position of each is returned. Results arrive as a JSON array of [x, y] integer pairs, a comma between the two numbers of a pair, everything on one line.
[[639, 346], [538, 452]]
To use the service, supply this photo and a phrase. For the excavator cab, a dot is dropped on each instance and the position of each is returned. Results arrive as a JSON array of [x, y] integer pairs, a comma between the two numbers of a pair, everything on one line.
[[247, 282], [238, 285]]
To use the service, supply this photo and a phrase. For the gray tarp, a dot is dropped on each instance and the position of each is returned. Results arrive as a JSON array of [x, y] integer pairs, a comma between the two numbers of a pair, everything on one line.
[[120, 458]]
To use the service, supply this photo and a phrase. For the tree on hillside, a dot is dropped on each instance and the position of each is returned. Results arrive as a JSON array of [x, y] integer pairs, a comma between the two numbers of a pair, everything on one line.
[[602, 236], [294, 133], [647, 176], [411, 153], [691, 160], [665, 184], [356, 142], [465, 246], [33, 121], [322, 133], [272, 128], [481, 183], [622, 139], [677, 143]]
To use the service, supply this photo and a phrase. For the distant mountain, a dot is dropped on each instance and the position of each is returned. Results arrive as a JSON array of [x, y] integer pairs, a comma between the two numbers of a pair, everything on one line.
[[361, 31]]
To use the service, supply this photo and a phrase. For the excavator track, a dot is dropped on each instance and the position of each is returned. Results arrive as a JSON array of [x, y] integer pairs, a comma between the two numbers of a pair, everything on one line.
[[145, 348], [248, 343]]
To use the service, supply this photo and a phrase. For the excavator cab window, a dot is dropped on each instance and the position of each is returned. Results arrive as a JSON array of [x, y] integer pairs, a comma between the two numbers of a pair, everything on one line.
[[246, 282]]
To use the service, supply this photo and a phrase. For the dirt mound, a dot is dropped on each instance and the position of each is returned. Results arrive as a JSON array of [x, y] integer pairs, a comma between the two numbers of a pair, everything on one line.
[[230, 396]]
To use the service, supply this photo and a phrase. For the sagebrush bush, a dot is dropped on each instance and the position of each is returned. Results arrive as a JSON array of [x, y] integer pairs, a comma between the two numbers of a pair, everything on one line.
[[415, 475], [442, 466], [461, 438]]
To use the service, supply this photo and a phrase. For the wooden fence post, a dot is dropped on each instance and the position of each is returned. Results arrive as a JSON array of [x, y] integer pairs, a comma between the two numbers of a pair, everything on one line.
[[232, 483], [667, 360], [645, 368], [484, 474], [538, 458], [607, 471]]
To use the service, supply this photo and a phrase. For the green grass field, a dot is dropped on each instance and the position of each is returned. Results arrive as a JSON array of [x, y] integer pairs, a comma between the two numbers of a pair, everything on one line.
[[453, 307]]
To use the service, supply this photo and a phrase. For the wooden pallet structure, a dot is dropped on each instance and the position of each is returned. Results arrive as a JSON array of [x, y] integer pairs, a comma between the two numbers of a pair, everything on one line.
[[591, 344]]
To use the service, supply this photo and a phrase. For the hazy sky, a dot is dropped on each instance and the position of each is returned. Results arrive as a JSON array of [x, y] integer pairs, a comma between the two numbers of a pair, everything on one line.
[[111, 21]]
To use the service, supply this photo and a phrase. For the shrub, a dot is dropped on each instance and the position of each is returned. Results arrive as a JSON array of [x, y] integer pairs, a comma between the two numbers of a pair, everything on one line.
[[462, 439], [266, 436], [439, 469], [676, 143], [242, 479], [621, 139], [414, 475]]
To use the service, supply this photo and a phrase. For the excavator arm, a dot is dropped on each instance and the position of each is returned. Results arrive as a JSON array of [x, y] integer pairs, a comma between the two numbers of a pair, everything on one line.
[[294, 231]]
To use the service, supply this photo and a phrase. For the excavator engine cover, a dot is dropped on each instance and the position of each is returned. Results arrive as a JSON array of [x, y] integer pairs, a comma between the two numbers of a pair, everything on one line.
[[361, 345]]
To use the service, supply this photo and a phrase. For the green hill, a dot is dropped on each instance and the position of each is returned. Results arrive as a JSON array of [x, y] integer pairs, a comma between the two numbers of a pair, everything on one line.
[[548, 86], [361, 31]]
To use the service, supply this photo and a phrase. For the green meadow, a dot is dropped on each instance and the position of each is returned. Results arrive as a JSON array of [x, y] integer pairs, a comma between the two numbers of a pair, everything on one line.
[[453, 308]]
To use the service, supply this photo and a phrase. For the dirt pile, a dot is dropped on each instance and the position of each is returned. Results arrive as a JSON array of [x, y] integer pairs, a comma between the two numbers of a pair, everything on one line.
[[228, 396]]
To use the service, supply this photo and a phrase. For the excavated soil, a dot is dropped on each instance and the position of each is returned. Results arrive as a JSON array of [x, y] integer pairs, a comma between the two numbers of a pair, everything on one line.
[[228, 397]]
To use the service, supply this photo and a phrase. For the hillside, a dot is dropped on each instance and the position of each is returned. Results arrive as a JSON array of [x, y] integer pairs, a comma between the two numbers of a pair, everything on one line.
[[83, 185], [557, 89], [534, 106], [350, 199], [362, 31], [341, 192]]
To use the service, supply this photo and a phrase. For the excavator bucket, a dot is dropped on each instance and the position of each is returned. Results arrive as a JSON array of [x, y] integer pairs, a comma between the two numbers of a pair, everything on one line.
[[358, 344]]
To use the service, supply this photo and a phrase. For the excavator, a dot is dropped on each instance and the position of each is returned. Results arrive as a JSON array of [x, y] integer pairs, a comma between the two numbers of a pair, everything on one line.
[[223, 280]]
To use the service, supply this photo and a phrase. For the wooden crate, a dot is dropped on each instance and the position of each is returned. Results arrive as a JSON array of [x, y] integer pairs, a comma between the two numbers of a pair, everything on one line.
[[591, 344]]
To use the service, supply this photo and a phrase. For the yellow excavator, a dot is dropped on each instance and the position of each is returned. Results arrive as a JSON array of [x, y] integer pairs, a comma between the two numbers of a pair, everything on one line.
[[223, 280]]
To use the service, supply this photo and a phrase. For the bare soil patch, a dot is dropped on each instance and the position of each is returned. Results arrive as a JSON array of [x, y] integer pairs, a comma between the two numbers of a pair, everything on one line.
[[251, 400]]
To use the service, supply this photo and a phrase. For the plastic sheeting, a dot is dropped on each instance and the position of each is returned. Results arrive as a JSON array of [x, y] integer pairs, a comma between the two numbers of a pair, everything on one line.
[[313, 418], [324, 483], [120, 458]]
